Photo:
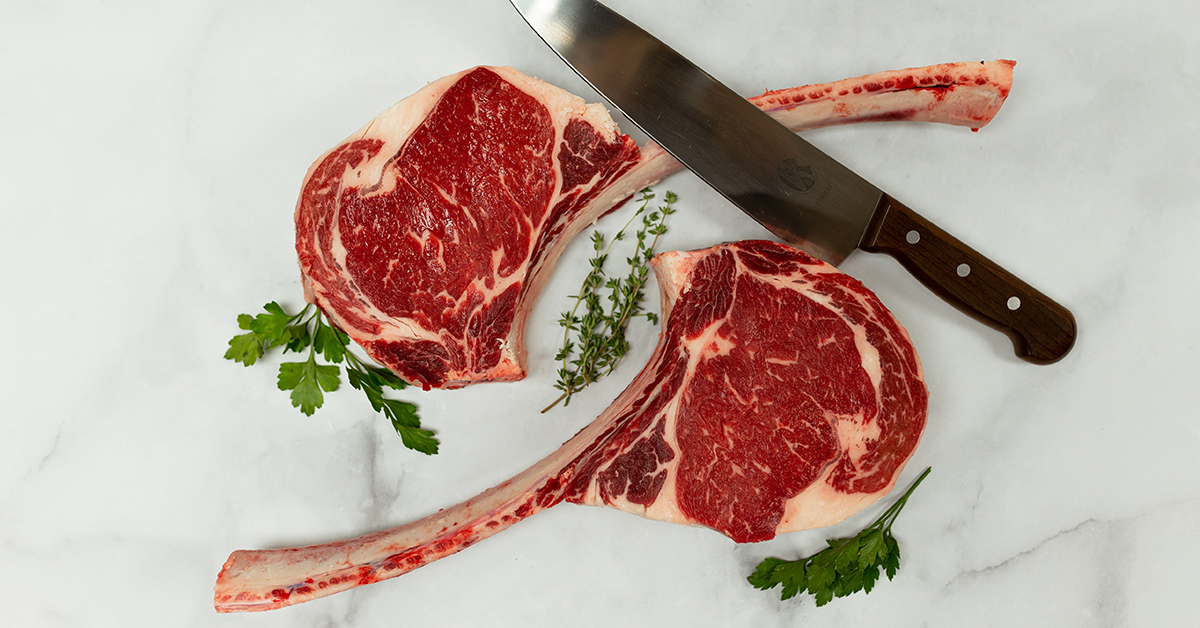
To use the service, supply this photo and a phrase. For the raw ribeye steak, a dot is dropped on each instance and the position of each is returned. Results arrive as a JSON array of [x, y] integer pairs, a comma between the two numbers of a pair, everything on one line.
[[428, 234], [782, 396]]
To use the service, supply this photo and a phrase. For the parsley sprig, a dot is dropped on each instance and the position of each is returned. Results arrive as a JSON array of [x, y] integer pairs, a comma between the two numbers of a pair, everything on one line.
[[309, 380], [594, 339], [845, 567]]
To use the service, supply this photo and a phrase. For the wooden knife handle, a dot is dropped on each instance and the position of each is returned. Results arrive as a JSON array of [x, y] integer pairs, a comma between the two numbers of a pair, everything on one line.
[[1042, 331]]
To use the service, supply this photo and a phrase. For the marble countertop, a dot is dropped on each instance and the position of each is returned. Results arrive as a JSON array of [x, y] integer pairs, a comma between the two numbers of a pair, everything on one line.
[[150, 160]]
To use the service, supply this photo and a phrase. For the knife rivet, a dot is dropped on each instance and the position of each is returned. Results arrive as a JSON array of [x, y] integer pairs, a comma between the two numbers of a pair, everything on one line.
[[963, 270], [1013, 303], [912, 237]]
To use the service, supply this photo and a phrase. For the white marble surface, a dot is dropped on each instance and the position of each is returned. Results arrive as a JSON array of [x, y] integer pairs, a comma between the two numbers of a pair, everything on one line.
[[150, 158]]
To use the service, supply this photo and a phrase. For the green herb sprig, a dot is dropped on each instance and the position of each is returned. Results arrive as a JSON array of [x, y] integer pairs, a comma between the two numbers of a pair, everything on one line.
[[845, 567], [594, 339], [309, 380]]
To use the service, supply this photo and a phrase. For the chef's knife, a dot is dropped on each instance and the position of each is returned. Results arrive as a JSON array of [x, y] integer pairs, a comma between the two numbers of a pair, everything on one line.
[[800, 194]]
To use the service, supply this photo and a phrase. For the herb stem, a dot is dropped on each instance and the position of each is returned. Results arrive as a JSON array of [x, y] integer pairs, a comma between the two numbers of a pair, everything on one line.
[[894, 511], [599, 328], [554, 403]]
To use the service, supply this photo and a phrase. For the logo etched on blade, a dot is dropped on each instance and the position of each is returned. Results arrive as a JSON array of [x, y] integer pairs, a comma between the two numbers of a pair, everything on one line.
[[795, 176]]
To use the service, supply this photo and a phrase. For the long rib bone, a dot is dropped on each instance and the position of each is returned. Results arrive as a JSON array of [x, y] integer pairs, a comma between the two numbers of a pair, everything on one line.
[[395, 250]]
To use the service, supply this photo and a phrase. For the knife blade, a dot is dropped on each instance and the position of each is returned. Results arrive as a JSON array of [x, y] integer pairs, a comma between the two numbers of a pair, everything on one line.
[[803, 196]]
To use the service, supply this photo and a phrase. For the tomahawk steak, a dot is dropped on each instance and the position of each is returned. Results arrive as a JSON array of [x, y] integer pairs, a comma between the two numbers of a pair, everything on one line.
[[782, 395], [428, 234]]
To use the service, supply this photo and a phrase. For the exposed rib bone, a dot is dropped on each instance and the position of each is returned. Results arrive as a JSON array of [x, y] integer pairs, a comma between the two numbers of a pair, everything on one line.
[[781, 396], [449, 307]]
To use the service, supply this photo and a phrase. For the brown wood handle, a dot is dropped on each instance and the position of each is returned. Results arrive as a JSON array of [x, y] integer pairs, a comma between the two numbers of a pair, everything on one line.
[[1042, 331]]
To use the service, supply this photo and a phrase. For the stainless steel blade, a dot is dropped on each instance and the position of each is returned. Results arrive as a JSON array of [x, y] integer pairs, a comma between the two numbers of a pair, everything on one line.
[[802, 195]]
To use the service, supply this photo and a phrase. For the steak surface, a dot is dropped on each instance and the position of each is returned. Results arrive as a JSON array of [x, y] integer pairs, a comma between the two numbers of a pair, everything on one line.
[[782, 395], [428, 234]]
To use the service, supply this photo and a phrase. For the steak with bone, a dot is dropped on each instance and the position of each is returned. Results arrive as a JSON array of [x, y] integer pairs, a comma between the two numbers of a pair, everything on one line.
[[428, 234], [782, 395]]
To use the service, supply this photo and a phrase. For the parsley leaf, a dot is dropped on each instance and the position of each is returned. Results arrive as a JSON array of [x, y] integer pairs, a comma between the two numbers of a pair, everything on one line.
[[270, 329], [594, 338], [404, 420], [845, 567], [306, 380], [246, 348], [309, 380], [773, 571], [273, 327]]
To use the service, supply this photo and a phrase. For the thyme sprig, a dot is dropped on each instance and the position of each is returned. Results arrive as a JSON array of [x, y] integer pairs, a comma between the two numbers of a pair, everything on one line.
[[594, 330]]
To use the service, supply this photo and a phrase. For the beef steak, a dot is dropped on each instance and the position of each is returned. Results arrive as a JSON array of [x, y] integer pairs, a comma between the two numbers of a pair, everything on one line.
[[428, 234], [782, 395]]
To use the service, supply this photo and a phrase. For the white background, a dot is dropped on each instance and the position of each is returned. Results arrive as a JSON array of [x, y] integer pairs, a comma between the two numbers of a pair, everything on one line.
[[150, 158]]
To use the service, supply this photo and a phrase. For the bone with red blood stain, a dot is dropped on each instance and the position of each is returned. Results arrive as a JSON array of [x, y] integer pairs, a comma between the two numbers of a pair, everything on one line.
[[781, 396], [446, 331]]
